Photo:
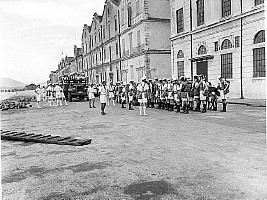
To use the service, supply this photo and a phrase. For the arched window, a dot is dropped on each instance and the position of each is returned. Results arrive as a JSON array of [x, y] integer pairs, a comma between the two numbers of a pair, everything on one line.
[[202, 50], [259, 37], [227, 44], [180, 54]]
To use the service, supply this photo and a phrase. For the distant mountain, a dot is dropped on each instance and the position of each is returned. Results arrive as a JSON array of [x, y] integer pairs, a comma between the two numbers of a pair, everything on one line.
[[10, 83]]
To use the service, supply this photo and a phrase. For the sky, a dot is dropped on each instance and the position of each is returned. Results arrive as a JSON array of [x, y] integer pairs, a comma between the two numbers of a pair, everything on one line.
[[34, 33]]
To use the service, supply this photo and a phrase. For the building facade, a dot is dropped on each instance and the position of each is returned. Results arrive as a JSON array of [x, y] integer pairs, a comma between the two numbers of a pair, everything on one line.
[[220, 38]]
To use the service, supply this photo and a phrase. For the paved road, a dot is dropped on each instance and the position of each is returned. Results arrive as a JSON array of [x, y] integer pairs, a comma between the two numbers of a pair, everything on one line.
[[164, 155]]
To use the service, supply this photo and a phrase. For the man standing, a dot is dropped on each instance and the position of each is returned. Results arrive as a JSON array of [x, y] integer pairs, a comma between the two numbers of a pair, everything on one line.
[[111, 93], [131, 94], [196, 93], [38, 95], [142, 90], [176, 94], [186, 88], [123, 95], [57, 90], [224, 90], [44, 93], [103, 97], [50, 91], [91, 95], [203, 93]]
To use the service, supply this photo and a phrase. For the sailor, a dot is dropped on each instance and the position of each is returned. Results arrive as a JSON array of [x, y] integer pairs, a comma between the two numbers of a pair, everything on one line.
[[103, 91], [186, 88], [123, 94], [111, 93], [149, 93], [44, 93], [91, 95], [158, 93], [177, 94], [57, 92], [49, 94], [38, 95], [196, 93], [223, 86], [131, 94], [53, 95], [203, 93], [163, 93], [62, 97], [142, 94], [191, 96], [170, 97], [154, 92]]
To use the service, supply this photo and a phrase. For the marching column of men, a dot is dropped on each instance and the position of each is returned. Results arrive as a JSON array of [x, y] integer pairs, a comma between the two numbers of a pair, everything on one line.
[[182, 95]]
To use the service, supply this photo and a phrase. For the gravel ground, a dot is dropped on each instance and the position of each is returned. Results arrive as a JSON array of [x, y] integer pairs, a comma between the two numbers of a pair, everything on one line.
[[164, 155]]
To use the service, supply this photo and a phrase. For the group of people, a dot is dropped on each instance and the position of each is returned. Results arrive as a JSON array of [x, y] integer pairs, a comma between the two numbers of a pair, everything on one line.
[[180, 94], [53, 94]]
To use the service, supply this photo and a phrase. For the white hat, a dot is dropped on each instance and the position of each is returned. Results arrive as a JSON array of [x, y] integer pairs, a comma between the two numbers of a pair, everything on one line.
[[143, 78]]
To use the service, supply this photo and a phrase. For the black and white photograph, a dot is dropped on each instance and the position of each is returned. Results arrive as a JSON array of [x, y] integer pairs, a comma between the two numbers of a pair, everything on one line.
[[133, 100]]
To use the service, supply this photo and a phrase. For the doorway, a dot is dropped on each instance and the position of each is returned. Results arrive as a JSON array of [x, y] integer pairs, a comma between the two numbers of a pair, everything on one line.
[[202, 69]]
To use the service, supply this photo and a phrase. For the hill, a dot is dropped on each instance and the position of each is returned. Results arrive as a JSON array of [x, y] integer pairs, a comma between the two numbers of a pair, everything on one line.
[[10, 83]]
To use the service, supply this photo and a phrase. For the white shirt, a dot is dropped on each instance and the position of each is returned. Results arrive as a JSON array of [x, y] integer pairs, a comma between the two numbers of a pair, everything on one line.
[[103, 90]]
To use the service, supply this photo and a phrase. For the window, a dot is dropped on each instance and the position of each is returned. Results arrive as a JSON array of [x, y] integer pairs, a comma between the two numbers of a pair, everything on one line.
[[104, 30], [115, 24], [258, 2], [227, 44], [180, 54], [131, 42], [259, 37], [202, 50], [200, 12], [226, 8], [180, 68], [110, 53], [138, 38], [227, 65], [259, 62], [99, 35], [95, 39], [216, 47], [100, 55], [237, 41], [109, 30], [129, 15], [117, 51], [180, 20], [105, 54], [137, 7]]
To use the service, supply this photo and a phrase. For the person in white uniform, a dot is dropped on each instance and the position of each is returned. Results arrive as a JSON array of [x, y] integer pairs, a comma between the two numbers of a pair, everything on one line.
[[44, 93], [111, 94], [57, 90], [103, 91], [38, 95], [62, 97], [142, 93], [91, 95]]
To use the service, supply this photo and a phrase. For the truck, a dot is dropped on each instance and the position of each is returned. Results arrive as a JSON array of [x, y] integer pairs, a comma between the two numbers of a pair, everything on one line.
[[74, 86]]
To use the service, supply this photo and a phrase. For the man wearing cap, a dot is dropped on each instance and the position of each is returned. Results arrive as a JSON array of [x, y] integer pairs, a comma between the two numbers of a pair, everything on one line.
[[196, 93], [131, 94], [123, 94], [103, 91], [142, 94], [203, 92], [149, 93], [223, 86], [57, 90], [91, 95], [170, 98], [38, 96], [111, 94], [158, 93], [49, 91], [163, 93], [186, 88], [176, 94]]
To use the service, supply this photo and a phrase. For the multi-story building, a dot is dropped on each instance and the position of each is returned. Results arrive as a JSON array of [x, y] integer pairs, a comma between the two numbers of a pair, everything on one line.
[[129, 40], [145, 39], [220, 38]]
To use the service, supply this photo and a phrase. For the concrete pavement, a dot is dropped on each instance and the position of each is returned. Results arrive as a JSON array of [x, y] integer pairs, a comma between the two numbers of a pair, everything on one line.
[[164, 155]]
